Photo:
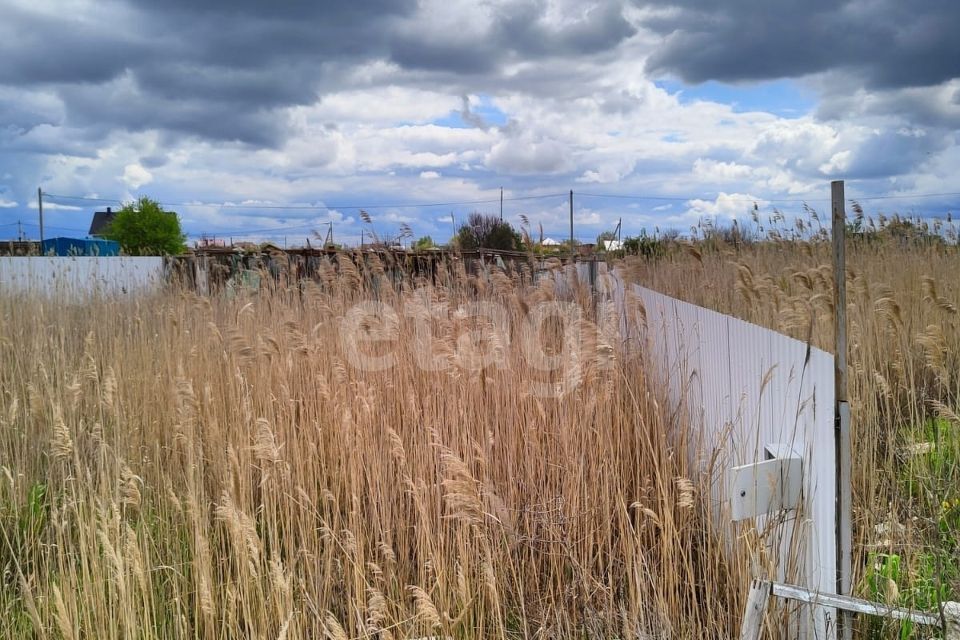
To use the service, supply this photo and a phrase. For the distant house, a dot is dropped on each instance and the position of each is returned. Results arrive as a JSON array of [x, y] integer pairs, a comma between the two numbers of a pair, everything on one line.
[[101, 220], [208, 241]]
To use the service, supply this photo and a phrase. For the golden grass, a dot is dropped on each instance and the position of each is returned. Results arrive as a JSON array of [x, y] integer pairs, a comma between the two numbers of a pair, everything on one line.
[[182, 467]]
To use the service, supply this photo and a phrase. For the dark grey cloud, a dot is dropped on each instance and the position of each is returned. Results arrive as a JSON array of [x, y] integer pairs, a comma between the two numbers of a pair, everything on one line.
[[891, 153], [40, 48], [21, 111], [933, 107], [601, 28], [518, 31], [48, 140], [153, 161], [882, 44], [412, 53], [126, 105], [215, 70], [471, 118], [225, 69]]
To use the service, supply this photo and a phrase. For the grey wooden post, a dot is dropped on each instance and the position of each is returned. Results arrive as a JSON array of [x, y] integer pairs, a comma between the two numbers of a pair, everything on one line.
[[842, 437], [754, 611]]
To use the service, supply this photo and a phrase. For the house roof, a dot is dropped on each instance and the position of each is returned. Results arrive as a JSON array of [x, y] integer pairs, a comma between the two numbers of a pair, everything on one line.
[[101, 220]]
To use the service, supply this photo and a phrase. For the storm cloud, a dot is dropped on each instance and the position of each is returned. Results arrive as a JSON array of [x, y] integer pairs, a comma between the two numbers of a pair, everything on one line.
[[880, 44], [222, 70]]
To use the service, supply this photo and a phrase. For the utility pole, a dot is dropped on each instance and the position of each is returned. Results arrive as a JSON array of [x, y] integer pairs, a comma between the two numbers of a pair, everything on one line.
[[19, 231], [616, 232], [571, 226], [40, 209], [842, 414], [501, 204], [620, 232]]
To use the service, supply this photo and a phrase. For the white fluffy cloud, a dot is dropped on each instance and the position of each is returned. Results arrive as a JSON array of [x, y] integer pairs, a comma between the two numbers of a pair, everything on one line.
[[526, 155], [726, 206], [135, 176]]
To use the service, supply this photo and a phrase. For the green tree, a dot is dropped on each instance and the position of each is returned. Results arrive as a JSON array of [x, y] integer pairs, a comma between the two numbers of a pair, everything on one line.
[[488, 232], [426, 242], [143, 228], [646, 246]]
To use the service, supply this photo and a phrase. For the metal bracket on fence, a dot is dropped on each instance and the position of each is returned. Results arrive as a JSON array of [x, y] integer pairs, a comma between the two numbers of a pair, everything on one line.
[[763, 487], [761, 590]]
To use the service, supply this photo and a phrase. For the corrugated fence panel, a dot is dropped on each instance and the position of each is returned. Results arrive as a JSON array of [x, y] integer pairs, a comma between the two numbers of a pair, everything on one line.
[[715, 381], [752, 388], [72, 277]]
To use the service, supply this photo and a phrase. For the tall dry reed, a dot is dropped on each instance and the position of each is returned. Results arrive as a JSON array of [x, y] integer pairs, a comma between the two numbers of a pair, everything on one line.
[[904, 357], [218, 467]]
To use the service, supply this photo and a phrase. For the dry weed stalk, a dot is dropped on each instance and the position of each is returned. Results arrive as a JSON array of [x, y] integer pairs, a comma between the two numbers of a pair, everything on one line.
[[218, 468]]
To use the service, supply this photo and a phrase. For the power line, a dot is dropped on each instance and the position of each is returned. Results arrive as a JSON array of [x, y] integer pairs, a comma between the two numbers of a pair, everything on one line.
[[407, 205], [760, 199], [623, 196], [48, 226], [307, 226], [419, 205], [699, 197], [909, 195], [84, 198], [301, 226]]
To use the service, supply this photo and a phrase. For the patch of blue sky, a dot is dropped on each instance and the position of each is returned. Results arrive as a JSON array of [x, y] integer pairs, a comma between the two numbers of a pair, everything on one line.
[[785, 98], [486, 110]]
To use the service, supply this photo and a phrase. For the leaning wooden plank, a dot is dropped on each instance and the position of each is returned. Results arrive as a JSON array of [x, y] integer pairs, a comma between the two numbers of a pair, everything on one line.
[[848, 603], [756, 607]]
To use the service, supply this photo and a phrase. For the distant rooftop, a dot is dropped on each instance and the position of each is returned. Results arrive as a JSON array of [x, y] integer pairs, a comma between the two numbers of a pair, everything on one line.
[[101, 220]]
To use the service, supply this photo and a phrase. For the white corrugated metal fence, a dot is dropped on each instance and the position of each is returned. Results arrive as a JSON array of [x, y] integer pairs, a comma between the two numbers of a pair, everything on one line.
[[71, 277], [750, 390]]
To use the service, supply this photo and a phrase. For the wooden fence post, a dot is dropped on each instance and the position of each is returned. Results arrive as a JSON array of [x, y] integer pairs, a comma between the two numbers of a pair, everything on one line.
[[756, 607], [842, 415]]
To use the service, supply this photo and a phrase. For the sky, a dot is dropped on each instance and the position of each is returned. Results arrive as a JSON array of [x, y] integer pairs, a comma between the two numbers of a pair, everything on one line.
[[270, 120]]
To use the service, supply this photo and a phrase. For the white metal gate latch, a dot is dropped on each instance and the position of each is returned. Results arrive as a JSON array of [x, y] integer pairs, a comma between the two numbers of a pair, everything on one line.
[[764, 487]]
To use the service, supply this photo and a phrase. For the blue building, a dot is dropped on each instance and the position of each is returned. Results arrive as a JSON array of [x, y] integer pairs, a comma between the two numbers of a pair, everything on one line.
[[79, 247]]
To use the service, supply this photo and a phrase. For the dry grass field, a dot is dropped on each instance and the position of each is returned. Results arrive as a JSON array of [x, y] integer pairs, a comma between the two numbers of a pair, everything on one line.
[[185, 467]]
